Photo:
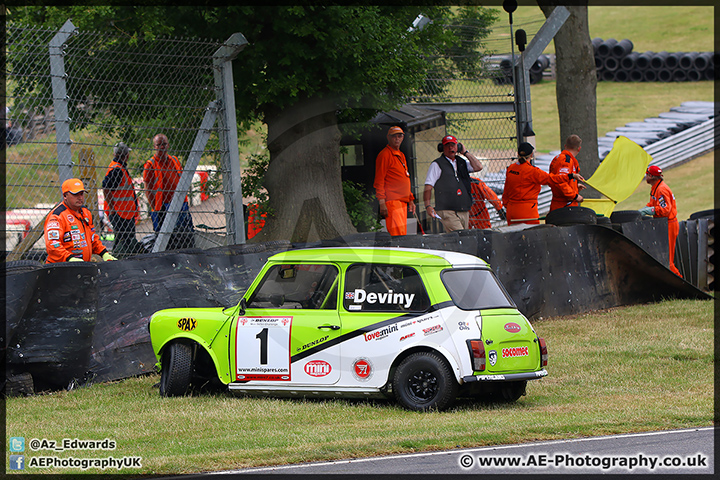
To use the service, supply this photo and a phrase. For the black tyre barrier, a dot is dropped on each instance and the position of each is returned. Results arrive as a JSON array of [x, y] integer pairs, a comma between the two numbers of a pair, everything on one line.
[[596, 43], [644, 59], [605, 48], [17, 266], [673, 60], [542, 62], [625, 216], [603, 220], [607, 75], [710, 73], [687, 60], [650, 75], [658, 60], [535, 77], [679, 75], [705, 214], [630, 61], [695, 76], [599, 64], [636, 76], [571, 216], [622, 75], [703, 61], [622, 48], [19, 385], [611, 63], [665, 75]]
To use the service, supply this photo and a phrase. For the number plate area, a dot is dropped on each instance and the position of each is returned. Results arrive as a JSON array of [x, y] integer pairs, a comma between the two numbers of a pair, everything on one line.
[[262, 348]]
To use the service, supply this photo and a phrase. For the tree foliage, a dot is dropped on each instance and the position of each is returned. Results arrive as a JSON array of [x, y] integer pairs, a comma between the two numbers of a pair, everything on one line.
[[353, 60]]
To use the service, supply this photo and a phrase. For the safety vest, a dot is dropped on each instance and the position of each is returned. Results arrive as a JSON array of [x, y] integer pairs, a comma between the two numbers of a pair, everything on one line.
[[121, 200], [161, 180]]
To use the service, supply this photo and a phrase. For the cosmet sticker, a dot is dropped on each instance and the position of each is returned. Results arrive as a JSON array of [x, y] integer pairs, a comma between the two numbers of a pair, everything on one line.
[[318, 368], [187, 324], [515, 352]]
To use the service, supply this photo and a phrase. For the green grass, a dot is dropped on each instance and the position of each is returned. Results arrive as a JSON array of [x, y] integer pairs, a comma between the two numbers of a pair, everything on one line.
[[631, 369], [680, 28]]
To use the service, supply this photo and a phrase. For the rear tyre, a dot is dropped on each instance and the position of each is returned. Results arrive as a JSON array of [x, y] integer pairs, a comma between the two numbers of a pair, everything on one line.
[[512, 391], [176, 370], [424, 381]]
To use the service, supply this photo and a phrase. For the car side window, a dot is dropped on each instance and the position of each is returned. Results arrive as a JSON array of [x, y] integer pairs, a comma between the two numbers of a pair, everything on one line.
[[306, 286], [384, 288]]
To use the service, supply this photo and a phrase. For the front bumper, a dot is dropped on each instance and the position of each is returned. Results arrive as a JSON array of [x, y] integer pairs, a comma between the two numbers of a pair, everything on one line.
[[509, 377]]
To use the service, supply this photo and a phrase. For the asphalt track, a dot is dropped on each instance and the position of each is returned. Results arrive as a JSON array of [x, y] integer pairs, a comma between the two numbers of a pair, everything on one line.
[[687, 452]]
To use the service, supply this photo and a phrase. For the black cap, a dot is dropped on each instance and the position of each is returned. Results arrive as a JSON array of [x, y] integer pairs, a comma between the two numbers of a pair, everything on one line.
[[525, 149]]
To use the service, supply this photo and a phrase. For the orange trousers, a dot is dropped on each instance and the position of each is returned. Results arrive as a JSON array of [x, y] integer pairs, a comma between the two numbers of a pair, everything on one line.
[[396, 220], [673, 230], [522, 212]]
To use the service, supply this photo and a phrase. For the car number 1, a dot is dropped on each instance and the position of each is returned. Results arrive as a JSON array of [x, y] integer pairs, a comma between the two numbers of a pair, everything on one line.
[[262, 349]]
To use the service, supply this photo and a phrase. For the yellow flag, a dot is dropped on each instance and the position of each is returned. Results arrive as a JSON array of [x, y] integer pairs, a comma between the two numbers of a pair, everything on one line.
[[618, 175]]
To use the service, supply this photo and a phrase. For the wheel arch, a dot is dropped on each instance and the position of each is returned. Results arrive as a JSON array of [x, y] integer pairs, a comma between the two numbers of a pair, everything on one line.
[[202, 353], [437, 349]]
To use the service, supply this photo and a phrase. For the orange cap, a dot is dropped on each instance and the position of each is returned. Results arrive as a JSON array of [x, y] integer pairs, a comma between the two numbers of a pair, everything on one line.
[[394, 130], [73, 185]]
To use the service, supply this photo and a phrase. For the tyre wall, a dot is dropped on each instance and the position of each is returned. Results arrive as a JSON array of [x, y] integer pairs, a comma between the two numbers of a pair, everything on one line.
[[71, 324]]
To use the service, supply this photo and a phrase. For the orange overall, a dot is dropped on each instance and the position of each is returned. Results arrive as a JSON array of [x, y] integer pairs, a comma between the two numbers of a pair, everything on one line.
[[564, 194], [479, 215], [662, 198], [392, 184], [522, 186], [71, 234]]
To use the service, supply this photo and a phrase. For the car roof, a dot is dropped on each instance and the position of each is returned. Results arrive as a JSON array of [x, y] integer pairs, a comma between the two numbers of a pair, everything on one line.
[[398, 255]]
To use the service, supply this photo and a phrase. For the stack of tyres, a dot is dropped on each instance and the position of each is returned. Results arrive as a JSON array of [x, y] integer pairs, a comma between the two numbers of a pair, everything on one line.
[[615, 61]]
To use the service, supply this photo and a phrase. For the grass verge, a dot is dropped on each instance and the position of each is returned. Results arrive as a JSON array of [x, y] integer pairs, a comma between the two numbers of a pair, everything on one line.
[[629, 369]]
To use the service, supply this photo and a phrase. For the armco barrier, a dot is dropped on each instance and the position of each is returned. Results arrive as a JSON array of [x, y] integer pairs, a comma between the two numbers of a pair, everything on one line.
[[71, 324]]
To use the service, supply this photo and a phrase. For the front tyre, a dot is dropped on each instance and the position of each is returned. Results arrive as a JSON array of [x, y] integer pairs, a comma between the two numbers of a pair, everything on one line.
[[424, 381], [177, 368]]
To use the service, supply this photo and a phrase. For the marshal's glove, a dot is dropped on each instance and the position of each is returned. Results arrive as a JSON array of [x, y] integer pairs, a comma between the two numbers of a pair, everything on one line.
[[107, 257], [75, 259], [647, 210]]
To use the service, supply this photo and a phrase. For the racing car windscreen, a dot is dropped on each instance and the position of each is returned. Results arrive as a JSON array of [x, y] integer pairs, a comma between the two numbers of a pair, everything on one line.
[[475, 289]]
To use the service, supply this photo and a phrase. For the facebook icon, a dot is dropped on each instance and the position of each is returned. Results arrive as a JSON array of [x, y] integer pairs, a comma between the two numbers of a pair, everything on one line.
[[17, 462]]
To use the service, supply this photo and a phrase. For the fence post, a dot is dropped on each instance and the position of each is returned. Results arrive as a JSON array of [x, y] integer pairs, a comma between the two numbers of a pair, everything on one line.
[[183, 186], [60, 100], [536, 46], [227, 132]]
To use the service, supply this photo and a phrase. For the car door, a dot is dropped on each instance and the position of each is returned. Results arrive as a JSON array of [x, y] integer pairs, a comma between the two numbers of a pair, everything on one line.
[[286, 333], [379, 300]]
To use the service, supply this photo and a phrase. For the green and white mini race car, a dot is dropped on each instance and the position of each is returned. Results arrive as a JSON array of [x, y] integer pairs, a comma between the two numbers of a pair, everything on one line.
[[422, 326]]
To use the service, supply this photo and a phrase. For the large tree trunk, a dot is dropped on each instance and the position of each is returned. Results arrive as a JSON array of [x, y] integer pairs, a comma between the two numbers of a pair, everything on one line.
[[576, 83], [303, 177]]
